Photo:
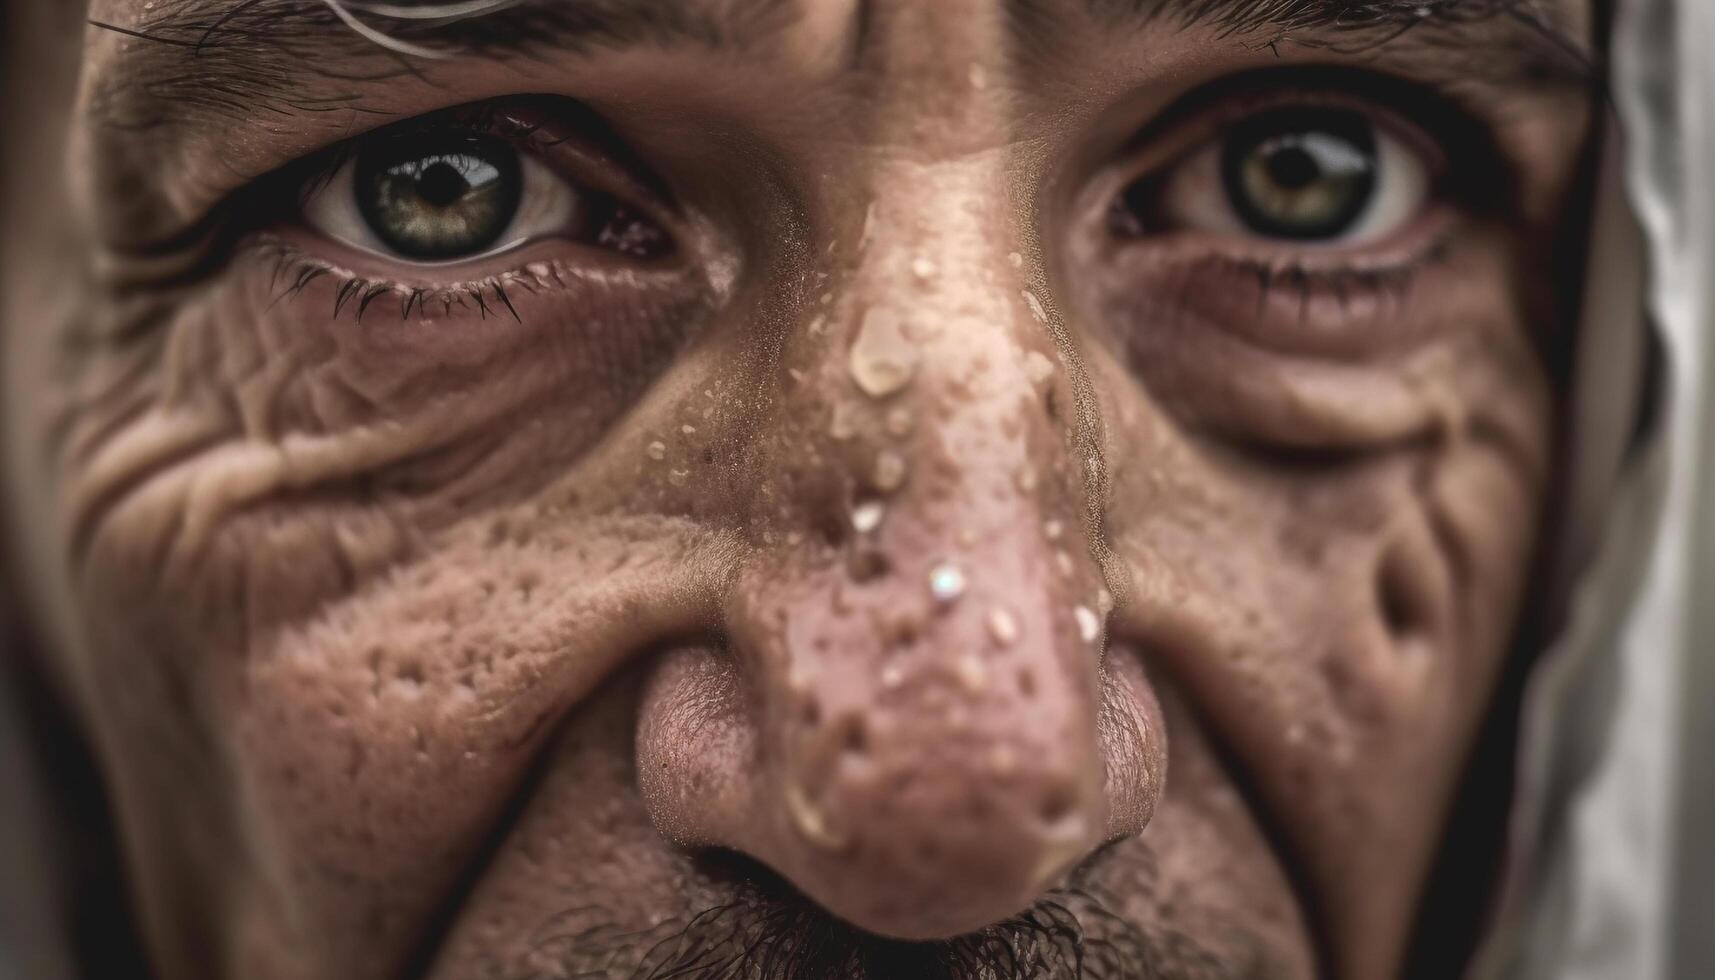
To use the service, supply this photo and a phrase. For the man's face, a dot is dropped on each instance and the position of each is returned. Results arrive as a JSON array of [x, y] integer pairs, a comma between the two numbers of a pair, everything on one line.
[[795, 488]]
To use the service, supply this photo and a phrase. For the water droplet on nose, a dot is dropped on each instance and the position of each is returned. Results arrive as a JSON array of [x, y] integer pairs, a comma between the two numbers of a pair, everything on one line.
[[1003, 627], [811, 822], [1089, 624], [657, 450], [1037, 367], [1036, 309], [866, 517], [889, 471], [946, 582], [882, 357], [924, 268]]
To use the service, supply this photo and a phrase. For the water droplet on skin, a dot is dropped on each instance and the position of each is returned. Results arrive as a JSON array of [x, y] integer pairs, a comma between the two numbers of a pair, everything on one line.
[[882, 357], [979, 78], [1036, 309], [866, 517], [796, 375], [1027, 479], [1003, 627], [1015, 260], [1104, 601], [825, 299], [1065, 563], [818, 326], [900, 422], [657, 450], [892, 676], [1089, 624], [678, 477], [689, 430], [889, 471], [811, 822], [924, 268], [1052, 529], [1037, 367], [973, 676], [946, 582], [1003, 761], [967, 538]]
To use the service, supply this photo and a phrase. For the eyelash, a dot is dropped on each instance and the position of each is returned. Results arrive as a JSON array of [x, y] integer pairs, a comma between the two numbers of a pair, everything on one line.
[[294, 272]]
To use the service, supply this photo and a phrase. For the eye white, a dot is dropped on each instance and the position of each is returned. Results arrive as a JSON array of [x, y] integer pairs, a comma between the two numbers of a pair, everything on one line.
[[1196, 197], [547, 205]]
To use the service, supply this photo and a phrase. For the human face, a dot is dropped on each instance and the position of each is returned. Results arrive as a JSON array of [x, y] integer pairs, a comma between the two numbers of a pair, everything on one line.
[[805, 487]]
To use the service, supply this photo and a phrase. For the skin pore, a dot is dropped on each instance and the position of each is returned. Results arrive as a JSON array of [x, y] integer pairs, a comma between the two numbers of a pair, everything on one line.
[[867, 501]]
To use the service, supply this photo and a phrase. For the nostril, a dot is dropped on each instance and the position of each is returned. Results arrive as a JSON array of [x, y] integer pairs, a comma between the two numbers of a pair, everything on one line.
[[855, 739], [1402, 599]]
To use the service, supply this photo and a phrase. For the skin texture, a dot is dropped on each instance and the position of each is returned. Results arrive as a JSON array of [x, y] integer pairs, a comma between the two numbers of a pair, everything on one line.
[[456, 643]]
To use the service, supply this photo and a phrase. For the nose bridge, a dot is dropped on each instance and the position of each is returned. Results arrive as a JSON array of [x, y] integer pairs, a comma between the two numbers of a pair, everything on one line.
[[926, 683]]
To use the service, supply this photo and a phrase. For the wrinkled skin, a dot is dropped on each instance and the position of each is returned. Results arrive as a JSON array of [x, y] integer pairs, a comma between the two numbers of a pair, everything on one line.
[[458, 642]]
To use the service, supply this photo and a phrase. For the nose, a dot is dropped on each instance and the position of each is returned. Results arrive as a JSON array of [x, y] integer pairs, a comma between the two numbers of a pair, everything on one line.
[[904, 720]]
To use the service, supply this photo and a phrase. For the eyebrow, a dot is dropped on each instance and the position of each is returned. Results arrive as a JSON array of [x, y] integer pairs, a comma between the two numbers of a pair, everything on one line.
[[1541, 47]]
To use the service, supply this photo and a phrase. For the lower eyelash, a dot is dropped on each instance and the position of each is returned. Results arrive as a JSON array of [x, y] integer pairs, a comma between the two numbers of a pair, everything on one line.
[[490, 294], [1342, 283]]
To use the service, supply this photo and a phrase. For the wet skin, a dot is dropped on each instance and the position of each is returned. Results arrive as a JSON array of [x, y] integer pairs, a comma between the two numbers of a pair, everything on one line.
[[922, 521]]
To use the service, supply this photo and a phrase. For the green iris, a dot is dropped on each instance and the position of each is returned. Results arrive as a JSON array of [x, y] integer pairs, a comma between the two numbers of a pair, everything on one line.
[[1303, 174], [441, 197]]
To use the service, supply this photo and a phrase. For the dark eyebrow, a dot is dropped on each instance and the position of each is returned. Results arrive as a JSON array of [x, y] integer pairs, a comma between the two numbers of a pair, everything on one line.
[[244, 56], [1538, 46]]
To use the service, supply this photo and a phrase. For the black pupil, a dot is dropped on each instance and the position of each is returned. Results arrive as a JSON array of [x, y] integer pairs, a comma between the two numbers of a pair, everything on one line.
[[1293, 168], [441, 184], [439, 197], [1302, 173]]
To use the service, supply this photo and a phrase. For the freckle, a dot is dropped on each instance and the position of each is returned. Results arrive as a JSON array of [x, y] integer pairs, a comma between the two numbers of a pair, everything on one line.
[[889, 471], [1003, 627], [657, 450], [900, 422], [946, 583], [1089, 624]]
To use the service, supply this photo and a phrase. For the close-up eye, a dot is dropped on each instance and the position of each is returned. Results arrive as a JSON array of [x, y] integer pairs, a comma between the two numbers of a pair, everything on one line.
[[1308, 175], [440, 195]]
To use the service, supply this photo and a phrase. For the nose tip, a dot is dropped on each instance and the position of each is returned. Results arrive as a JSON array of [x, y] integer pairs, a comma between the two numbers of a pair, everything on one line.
[[917, 752]]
